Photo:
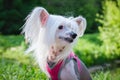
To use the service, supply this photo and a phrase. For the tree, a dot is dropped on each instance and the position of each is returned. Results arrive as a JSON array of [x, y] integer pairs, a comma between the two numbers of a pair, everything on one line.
[[110, 29]]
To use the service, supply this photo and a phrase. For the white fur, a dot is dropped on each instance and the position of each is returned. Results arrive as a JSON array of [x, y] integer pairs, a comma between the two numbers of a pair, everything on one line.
[[41, 37]]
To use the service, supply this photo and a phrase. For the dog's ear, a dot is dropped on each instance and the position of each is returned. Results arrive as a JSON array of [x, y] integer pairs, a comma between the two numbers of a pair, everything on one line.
[[34, 22], [82, 24], [44, 16]]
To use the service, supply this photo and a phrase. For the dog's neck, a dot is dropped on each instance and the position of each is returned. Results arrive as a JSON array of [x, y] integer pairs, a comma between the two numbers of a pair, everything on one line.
[[55, 50]]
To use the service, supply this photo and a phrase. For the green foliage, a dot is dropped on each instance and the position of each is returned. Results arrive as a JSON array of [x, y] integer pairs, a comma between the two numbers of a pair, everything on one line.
[[107, 75], [89, 50], [86, 49], [13, 12], [86, 8], [16, 65], [110, 29], [12, 15]]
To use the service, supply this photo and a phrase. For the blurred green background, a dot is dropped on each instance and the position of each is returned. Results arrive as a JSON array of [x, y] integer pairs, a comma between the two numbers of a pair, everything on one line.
[[13, 12], [99, 46]]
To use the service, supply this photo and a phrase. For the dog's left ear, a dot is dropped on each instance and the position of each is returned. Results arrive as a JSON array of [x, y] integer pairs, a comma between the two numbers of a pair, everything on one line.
[[82, 24], [44, 16]]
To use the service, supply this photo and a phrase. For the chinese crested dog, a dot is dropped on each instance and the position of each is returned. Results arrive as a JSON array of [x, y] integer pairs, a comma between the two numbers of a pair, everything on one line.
[[51, 39]]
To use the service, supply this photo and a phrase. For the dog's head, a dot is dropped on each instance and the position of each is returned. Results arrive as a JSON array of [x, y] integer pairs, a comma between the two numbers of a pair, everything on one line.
[[69, 30], [54, 28], [43, 28], [64, 30]]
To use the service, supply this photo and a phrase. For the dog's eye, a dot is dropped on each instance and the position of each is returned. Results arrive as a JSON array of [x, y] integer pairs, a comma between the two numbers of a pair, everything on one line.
[[60, 27]]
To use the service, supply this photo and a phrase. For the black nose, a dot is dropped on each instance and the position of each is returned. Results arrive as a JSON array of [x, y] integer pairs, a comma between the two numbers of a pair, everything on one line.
[[73, 35]]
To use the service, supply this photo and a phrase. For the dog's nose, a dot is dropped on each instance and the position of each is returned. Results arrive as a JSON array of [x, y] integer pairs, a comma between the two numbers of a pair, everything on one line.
[[73, 35]]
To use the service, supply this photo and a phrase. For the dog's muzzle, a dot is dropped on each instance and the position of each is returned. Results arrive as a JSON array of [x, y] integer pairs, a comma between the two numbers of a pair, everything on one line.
[[69, 39]]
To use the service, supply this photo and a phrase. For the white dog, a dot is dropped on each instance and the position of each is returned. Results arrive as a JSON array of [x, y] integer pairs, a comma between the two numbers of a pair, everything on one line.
[[51, 38]]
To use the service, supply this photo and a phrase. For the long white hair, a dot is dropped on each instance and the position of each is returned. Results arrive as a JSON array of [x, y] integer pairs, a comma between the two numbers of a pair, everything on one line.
[[40, 36]]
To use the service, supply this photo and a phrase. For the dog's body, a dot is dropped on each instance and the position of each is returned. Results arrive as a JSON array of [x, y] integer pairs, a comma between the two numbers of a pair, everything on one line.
[[51, 37]]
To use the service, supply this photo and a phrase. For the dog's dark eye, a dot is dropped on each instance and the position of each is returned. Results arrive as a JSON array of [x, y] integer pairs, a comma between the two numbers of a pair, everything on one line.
[[60, 27]]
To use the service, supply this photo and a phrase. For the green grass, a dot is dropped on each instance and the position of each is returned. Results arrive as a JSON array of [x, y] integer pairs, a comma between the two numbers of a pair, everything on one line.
[[88, 48], [16, 65], [107, 75]]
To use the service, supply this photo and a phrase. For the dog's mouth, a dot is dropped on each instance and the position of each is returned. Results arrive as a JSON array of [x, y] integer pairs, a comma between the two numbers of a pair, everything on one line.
[[67, 39]]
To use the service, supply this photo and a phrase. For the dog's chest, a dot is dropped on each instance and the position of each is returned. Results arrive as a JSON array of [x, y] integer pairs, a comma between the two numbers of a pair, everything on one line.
[[67, 70]]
